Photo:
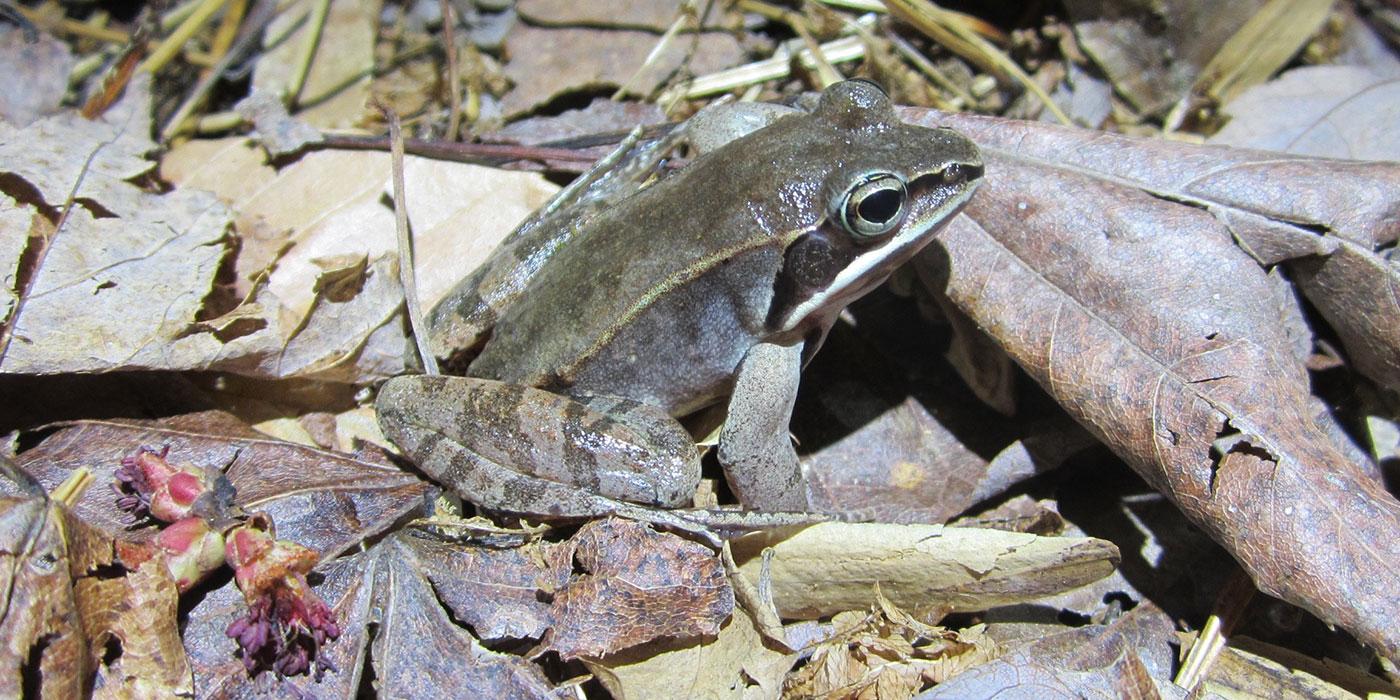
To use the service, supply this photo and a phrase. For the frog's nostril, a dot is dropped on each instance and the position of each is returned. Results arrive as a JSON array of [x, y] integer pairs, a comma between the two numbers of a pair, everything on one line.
[[961, 172]]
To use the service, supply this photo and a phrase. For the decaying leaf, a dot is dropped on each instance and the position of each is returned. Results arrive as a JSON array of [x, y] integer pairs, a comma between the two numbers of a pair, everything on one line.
[[390, 613], [651, 16], [323, 500], [419, 652], [1153, 69], [831, 567], [502, 593], [133, 626], [318, 255], [44, 61], [882, 445], [639, 585], [738, 663], [1277, 673], [1130, 658], [70, 609], [886, 655], [42, 643], [123, 283], [1324, 111], [1332, 226], [1156, 331], [549, 62]]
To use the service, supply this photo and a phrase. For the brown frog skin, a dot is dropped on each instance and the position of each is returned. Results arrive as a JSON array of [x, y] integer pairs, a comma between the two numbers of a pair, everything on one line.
[[596, 325]]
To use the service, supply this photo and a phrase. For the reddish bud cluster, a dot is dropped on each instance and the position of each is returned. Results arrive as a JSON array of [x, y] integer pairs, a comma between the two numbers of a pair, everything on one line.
[[287, 624]]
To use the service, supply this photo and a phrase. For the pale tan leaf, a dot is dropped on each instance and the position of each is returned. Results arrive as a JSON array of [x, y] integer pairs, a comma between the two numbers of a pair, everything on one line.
[[322, 237], [735, 664], [830, 567]]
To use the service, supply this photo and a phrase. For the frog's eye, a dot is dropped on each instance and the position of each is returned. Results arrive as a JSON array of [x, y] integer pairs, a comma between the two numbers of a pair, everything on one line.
[[874, 206]]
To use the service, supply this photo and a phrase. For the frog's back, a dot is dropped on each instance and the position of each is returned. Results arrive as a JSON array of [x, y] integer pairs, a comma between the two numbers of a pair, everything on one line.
[[762, 240], [661, 296]]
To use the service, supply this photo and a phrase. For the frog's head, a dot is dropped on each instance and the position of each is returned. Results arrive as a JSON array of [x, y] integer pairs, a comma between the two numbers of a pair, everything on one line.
[[883, 190]]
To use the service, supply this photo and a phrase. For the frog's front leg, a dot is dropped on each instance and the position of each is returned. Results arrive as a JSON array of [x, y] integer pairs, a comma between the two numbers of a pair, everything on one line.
[[524, 450], [754, 448]]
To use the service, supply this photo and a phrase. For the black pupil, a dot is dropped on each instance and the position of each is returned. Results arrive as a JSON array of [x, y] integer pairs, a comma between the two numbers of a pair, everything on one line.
[[879, 206]]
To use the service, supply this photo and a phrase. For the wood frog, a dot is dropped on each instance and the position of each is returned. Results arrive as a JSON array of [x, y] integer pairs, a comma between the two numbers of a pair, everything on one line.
[[605, 316]]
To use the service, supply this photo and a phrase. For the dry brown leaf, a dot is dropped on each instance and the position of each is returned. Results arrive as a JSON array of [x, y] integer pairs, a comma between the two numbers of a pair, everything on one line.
[[1260, 671], [736, 664], [501, 593], [124, 283], [273, 127], [830, 567], [19, 223], [1332, 224], [419, 652], [886, 656], [319, 499], [1260, 47], [601, 116], [548, 63], [1128, 659], [653, 15], [133, 626], [42, 643], [1153, 69], [1153, 329], [887, 446], [416, 648], [639, 585], [1324, 111]]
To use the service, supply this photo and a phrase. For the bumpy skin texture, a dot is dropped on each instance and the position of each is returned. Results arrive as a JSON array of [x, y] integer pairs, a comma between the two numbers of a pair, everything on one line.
[[662, 296]]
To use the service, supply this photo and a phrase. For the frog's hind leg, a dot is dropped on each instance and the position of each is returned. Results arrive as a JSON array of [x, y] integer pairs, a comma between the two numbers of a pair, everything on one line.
[[519, 449]]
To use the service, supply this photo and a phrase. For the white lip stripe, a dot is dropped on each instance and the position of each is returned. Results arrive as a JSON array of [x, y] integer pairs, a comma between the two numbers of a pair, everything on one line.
[[863, 264]]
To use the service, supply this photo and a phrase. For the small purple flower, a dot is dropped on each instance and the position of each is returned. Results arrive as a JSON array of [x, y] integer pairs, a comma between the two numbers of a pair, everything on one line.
[[287, 623]]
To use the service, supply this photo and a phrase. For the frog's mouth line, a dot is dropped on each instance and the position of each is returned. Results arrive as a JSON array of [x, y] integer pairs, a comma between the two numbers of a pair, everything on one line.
[[933, 210]]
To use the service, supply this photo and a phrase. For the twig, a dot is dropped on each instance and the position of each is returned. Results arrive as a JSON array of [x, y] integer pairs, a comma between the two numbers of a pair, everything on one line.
[[857, 5], [319, 10], [947, 28], [930, 71], [116, 79], [172, 44], [1229, 608], [227, 33], [685, 13], [464, 152], [449, 45], [75, 28], [826, 73], [262, 14], [840, 50], [407, 277], [73, 487]]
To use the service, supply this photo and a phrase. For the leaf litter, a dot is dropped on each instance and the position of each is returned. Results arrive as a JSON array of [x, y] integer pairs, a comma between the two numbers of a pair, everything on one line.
[[1156, 304]]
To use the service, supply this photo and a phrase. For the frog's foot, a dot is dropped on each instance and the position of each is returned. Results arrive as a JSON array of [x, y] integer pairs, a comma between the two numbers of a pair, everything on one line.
[[754, 448]]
